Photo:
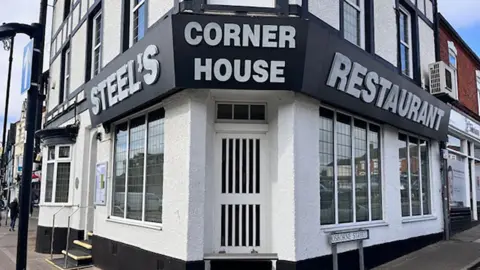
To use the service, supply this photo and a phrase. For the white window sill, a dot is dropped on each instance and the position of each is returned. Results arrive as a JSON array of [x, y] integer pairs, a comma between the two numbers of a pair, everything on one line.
[[418, 219], [158, 227], [57, 205], [352, 226]]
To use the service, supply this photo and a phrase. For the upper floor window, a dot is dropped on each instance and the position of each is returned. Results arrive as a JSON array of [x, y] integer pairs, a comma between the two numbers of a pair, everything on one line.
[[405, 29], [477, 73], [58, 174], [138, 20], [354, 21], [65, 87], [96, 43], [138, 168], [452, 55], [350, 169], [67, 8], [241, 112], [414, 165]]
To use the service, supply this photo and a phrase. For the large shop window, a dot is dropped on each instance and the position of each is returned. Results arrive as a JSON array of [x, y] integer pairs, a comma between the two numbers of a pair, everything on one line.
[[350, 169], [58, 174], [413, 153], [138, 168]]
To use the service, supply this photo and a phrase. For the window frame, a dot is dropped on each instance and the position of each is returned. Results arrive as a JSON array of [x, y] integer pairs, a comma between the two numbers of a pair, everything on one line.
[[67, 64], [246, 121], [355, 223], [408, 15], [452, 51], [98, 46], [360, 8], [57, 159], [430, 158], [111, 169], [133, 9]]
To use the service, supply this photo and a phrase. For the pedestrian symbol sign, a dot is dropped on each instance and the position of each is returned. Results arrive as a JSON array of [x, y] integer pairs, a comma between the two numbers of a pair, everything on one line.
[[27, 67]]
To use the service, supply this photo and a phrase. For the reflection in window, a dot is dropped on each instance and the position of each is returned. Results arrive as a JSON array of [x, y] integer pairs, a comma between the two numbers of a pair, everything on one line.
[[57, 188], [141, 139], [120, 170], [454, 143], [327, 185], [357, 182], [414, 175]]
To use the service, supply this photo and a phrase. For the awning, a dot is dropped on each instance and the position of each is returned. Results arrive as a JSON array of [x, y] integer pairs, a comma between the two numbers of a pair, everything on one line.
[[60, 135]]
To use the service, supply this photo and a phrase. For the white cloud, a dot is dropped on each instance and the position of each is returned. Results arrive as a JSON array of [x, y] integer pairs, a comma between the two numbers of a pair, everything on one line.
[[23, 11], [460, 13]]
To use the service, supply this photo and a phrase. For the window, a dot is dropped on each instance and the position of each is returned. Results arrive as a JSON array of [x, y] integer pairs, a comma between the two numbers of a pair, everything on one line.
[[66, 75], [452, 55], [405, 42], [250, 112], [138, 20], [413, 153], [354, 21], [67, 8], [350, 169], [138, 168], [96, 44], [58, 174]]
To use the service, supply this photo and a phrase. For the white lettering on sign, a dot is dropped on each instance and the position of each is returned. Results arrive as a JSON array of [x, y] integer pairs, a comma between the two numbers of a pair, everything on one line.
[[355, 80], [348, 236], [123, 83], [240, 35]]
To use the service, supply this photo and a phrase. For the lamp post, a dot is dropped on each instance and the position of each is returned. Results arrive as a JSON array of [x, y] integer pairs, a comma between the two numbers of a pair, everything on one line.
[[8, 44], [35, 31]]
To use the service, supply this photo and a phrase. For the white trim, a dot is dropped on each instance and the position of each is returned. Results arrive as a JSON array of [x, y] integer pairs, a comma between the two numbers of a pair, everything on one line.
[[67, 71], [131, 222], [55, 162], [418, 218], [348, 226]]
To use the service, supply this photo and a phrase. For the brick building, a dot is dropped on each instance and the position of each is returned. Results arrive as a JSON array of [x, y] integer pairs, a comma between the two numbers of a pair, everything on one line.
[[464, 127]]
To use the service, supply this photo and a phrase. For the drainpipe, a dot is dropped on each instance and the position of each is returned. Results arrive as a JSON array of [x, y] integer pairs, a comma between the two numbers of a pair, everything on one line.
[[443, 145]]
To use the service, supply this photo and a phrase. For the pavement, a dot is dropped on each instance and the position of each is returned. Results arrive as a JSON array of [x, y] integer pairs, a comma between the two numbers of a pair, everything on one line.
[[462, 252], [8, 247]]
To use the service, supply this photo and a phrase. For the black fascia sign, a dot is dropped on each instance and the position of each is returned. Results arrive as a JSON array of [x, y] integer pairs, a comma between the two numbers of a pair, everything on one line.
[[343, 75], [368, 86], [135, 79], [124, 82], [239, 52]]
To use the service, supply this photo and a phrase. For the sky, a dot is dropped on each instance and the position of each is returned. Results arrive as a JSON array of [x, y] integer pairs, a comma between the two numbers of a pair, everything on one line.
[[464, 15]]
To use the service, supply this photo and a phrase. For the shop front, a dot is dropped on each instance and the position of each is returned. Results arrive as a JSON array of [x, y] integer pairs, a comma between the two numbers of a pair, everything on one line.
[[463, 171], [227, 141]]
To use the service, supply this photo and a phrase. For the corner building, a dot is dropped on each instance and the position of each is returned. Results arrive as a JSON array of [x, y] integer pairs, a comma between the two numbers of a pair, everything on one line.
[[241, 134]]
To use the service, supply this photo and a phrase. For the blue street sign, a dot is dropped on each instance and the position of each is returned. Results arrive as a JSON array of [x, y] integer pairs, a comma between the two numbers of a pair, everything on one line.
[[27, 67]]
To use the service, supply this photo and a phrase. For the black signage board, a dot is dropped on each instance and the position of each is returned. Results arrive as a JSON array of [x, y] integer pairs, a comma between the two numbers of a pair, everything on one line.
[[137, 78], [203, 51], [239, 52], [326, 55]]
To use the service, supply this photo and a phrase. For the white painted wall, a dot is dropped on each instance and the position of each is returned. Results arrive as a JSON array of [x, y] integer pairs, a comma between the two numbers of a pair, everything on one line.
[[53, 93], [427, 49], [184, 184], [58, 15], [328, 11], [386, 30], [78, 54], [158, 8], [77, 196], [112, 27]]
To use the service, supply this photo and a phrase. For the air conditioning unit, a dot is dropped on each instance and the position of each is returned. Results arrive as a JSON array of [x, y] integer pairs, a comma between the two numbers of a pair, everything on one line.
[[443, 80]]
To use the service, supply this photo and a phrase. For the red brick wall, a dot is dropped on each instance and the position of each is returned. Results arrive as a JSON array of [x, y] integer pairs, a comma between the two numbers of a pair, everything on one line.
[[466, 66]]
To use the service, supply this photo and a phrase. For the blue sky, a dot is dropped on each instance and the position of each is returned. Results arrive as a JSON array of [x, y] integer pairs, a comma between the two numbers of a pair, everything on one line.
[[464, 16]]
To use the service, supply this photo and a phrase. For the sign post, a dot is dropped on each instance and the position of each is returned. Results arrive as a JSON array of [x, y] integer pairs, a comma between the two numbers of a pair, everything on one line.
[[349, 236], [27, 67]]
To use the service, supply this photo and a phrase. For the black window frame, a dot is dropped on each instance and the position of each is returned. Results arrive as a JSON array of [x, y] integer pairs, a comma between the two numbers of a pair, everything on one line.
[[89, 48]]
